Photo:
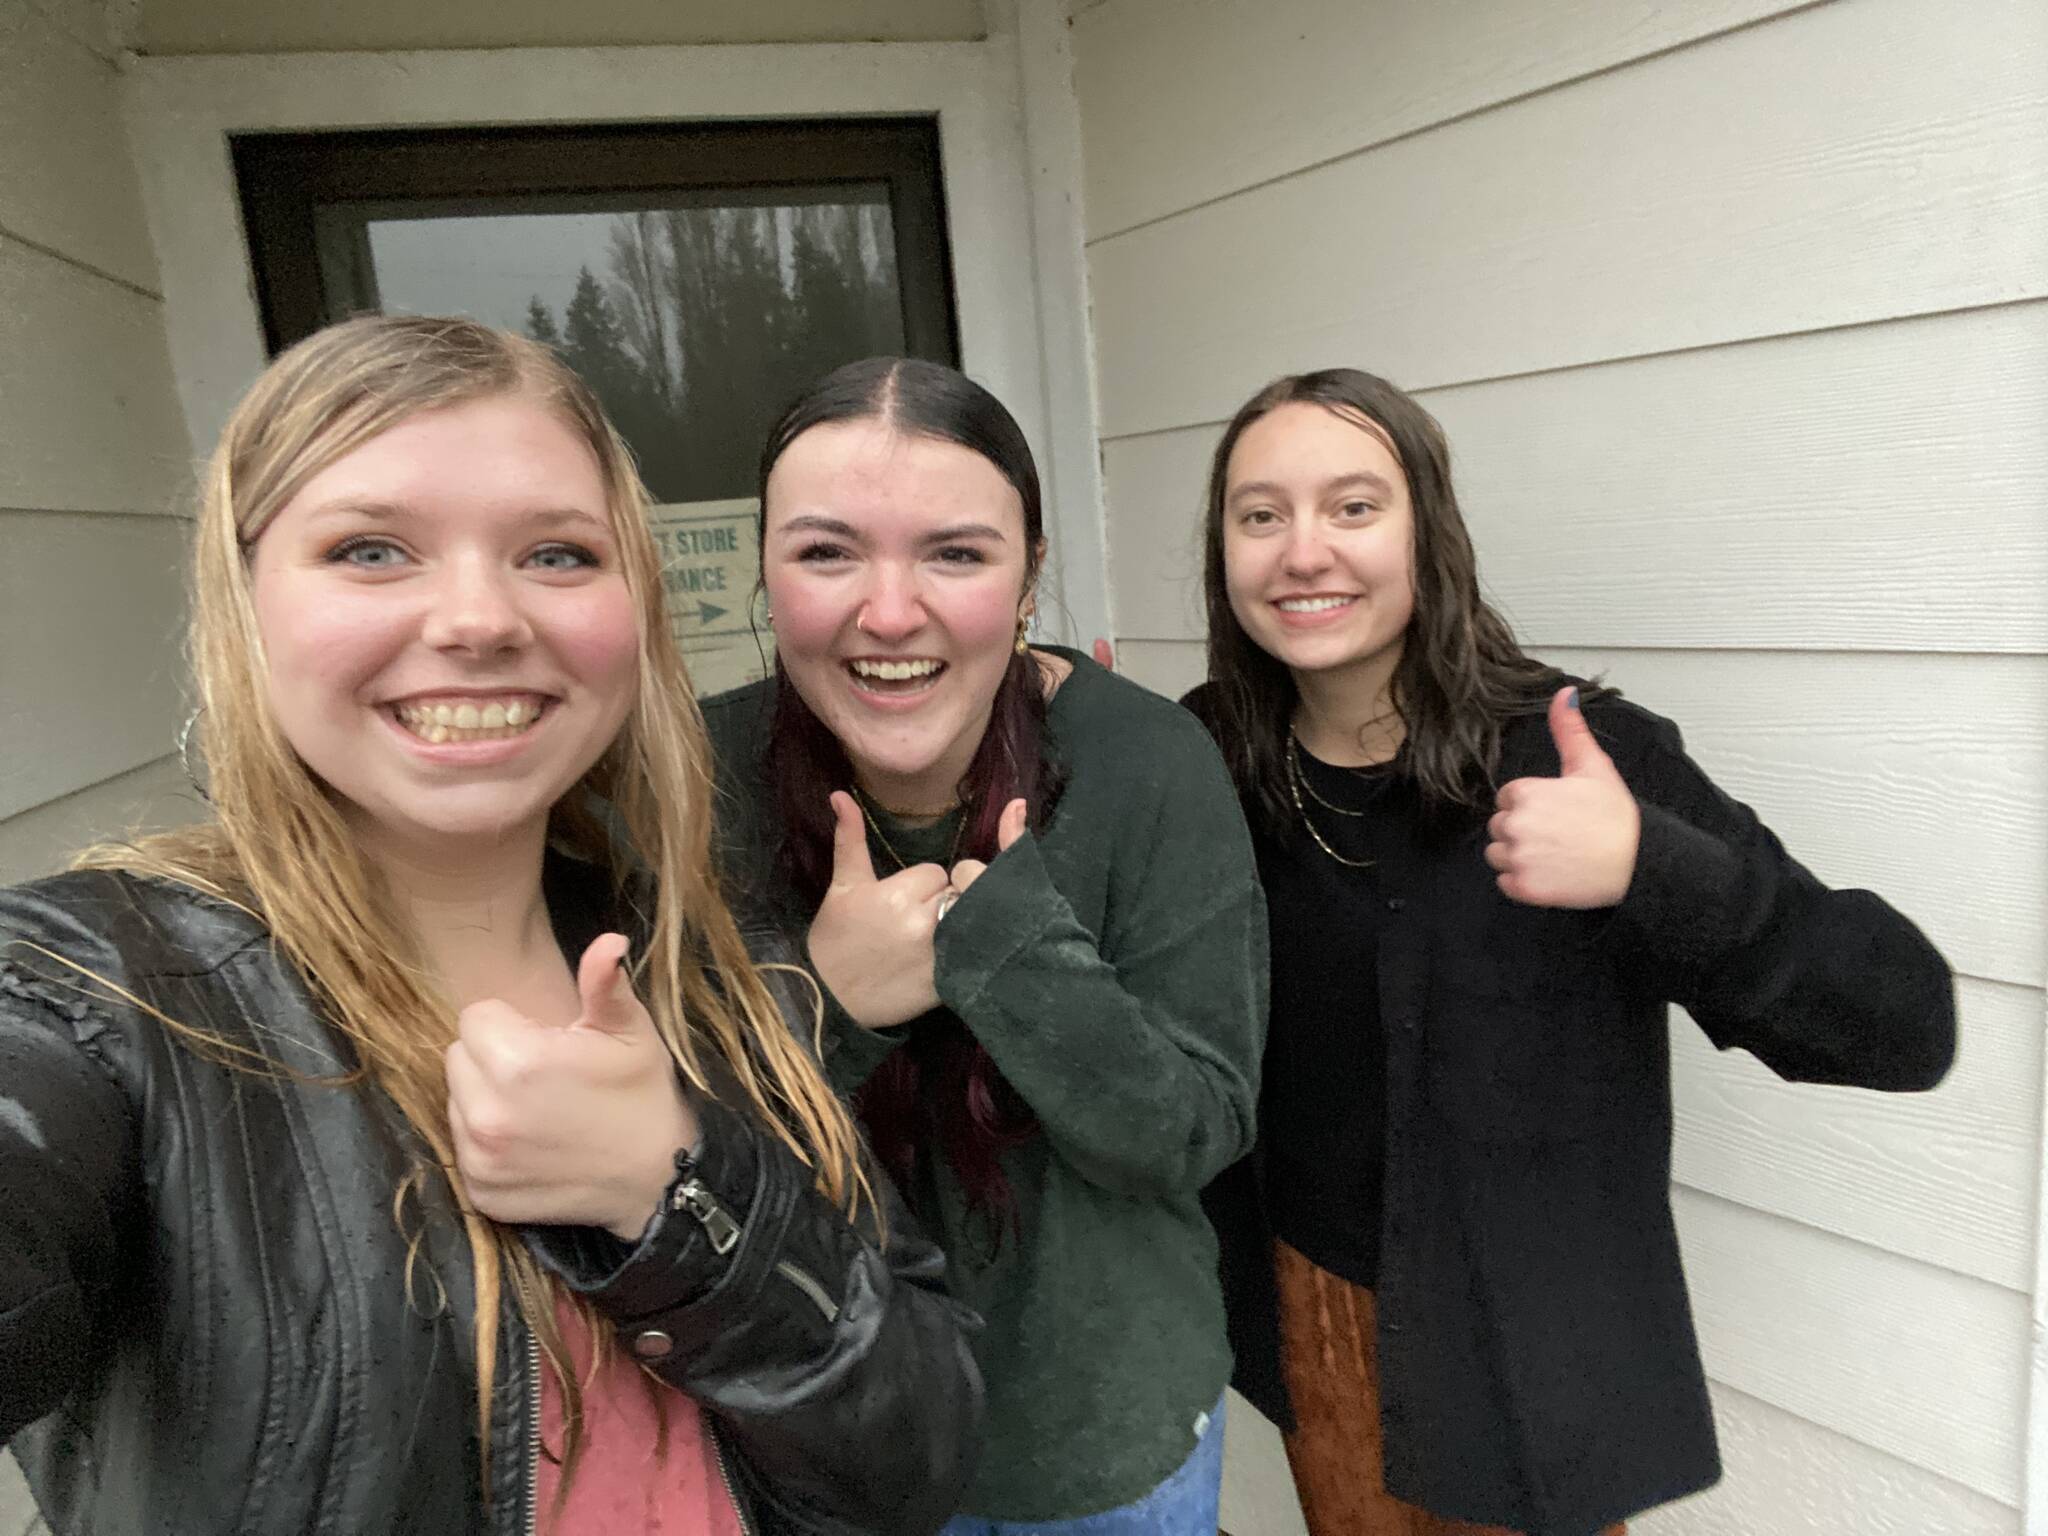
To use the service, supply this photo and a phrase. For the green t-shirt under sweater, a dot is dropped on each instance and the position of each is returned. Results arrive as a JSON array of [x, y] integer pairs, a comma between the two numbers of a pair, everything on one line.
[[1114, 966]]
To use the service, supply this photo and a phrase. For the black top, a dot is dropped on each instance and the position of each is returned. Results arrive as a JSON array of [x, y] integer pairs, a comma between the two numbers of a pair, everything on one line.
[[1323, 1103], [1538, 1367]]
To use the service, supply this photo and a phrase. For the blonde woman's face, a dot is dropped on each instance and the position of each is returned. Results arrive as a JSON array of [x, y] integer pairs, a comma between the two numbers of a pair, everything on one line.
[[450, 638]]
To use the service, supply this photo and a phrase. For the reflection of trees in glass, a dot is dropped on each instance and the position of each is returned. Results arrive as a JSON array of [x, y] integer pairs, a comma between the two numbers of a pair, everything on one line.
[[711, 319]]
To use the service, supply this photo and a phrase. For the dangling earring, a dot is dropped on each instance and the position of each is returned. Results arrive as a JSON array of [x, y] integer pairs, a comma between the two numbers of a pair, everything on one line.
[[1023, 633], [185, 753]]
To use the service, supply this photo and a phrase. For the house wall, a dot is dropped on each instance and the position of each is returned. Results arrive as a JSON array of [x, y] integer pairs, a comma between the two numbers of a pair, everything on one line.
[[1736, 313], [94, 464]]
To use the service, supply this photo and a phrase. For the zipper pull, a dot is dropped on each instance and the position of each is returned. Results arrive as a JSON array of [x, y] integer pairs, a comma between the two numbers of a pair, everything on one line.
[[719, 1227]]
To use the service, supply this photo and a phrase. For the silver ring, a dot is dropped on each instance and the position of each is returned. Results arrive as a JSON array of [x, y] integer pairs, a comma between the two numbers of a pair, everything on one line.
[[947, 898]]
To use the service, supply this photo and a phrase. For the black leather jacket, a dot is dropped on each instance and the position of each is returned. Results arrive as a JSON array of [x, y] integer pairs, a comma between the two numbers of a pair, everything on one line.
[[210, 1321]]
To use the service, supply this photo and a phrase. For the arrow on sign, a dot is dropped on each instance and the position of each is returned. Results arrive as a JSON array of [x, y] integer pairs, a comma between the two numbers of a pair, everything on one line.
[[706, 612]]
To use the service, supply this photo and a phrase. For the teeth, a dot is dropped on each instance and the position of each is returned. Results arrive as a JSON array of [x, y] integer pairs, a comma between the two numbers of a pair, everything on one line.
[[1312, 604], [438, 723], [895, 671]]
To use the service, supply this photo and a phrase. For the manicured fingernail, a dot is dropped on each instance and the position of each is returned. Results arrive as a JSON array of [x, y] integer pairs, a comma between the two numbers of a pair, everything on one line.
[[1572, 699]]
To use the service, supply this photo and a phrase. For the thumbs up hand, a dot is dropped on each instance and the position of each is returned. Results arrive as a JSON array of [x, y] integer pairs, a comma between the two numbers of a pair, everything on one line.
[[1008, 829], [871, 942], [1568, 841], [571, 1124]]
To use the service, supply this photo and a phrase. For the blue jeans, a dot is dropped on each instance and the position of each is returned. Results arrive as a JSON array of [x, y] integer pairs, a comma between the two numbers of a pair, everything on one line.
[[1183, 1505]]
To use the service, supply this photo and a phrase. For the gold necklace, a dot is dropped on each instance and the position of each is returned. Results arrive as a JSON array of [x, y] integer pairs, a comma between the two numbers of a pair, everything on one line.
[[952, 854], [1294, 751], [1295, 783]]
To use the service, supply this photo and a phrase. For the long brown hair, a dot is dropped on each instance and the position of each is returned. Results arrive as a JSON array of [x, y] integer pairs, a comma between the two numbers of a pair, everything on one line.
[[947, 1081], [278, 846], [1461, 676]]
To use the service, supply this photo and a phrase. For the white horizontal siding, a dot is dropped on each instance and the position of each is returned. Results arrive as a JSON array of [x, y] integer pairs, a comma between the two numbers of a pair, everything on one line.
[[1786, 1477], [1821, 492], [1919, 1362], [85, 389], [89, 21], [1919, 777], [1251, 90], [1846, 163], [1945, 1177], [91, 616], [91, 592], [42, 841], [61, 98]]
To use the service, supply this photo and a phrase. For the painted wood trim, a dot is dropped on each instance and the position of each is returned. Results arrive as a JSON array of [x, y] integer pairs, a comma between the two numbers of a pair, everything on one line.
[[181, 110], [1076, 583]]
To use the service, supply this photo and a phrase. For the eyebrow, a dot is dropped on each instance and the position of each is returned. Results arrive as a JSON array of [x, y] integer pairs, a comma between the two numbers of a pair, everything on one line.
[[1364, 478], [814, 522], [393, 512]]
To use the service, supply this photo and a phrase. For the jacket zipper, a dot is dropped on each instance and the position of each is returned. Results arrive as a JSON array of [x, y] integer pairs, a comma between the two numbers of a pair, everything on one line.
[[739, 1505], [724, 1233], [532, 1434], [810, 1287]]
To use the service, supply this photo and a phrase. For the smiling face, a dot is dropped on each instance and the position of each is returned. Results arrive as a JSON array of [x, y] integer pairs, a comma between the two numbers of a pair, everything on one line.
[[449, 638], [1318, 544], [897, 571]]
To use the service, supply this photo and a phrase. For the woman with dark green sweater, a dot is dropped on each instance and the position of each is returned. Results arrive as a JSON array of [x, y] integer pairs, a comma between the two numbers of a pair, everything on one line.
[[1029, 897]]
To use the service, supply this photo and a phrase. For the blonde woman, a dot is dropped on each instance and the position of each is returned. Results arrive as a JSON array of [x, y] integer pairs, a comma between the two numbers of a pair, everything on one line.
[[390, 1153]]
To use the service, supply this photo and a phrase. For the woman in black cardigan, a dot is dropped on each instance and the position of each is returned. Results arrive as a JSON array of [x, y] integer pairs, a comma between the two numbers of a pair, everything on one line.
[[1486, 880]]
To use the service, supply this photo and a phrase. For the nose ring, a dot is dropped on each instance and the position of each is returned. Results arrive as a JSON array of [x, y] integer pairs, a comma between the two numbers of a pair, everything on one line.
[[860, 621]]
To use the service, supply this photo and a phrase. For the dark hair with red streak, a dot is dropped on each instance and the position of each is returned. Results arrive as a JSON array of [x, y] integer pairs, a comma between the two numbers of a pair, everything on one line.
[[943, 1086]]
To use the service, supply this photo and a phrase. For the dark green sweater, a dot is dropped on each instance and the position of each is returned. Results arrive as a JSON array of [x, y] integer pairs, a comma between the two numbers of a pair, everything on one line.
[[1114, 966]]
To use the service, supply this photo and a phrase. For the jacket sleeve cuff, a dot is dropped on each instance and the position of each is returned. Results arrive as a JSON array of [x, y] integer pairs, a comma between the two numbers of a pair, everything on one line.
[[1683, 883], [1001, 914], [676, 1260]]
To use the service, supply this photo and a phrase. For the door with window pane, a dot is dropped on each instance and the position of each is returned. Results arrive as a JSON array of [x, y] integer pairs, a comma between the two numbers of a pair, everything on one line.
[[696, 277]]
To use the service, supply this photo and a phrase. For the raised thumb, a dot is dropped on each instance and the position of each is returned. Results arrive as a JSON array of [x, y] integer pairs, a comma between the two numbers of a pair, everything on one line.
[[607, 991], [1578, 753]]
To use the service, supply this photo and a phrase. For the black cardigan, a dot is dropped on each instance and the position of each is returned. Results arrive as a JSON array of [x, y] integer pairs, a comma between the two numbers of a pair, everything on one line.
[[1538, 1363]]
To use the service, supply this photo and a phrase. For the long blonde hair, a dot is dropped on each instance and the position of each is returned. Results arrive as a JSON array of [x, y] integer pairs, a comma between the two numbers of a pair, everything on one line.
[[278, 846]]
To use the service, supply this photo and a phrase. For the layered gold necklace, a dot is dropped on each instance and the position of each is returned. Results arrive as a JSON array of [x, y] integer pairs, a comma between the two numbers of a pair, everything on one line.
[[1297, 786]]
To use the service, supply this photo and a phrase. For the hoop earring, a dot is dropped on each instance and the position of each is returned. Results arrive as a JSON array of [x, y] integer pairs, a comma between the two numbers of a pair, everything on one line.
[[185, 753]]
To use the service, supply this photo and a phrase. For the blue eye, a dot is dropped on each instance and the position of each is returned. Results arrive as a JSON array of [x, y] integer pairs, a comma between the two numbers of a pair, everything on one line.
[[961, 554], [563, 557], [367, 553], [820, 552]]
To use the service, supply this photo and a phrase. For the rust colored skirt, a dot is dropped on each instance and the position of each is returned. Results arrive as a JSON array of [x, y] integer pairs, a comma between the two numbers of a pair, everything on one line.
[[1333, 1375]]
